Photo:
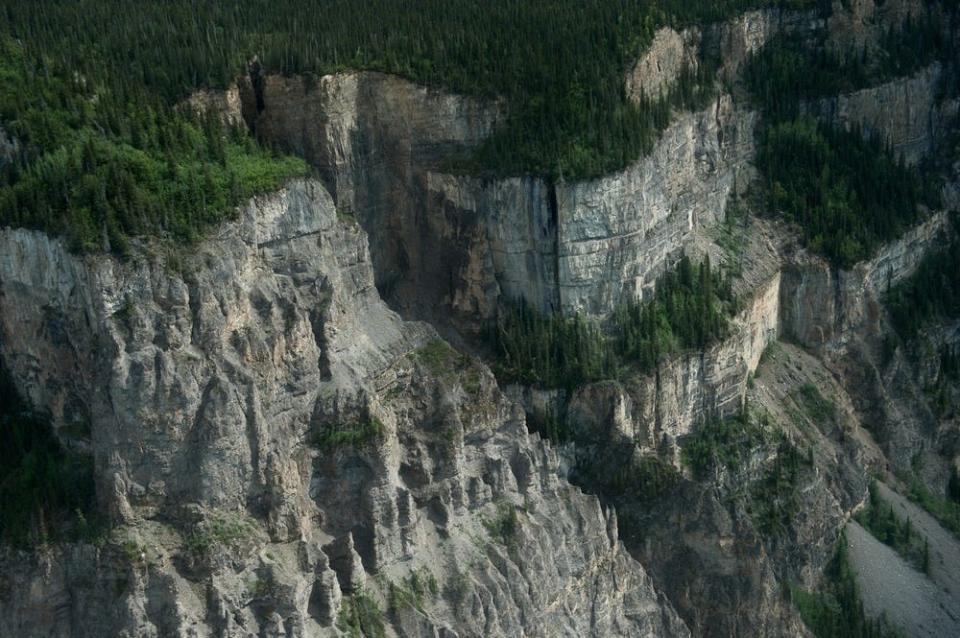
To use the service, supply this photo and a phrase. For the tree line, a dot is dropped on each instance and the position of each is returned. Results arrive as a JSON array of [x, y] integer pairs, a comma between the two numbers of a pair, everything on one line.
[[932, 293], [793, 69], [689, 310], [98, 172], [846, 193], [89, 87]]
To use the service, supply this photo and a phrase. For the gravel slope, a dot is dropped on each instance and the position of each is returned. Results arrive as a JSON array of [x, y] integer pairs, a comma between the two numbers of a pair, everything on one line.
[[888, 584], [944, 546]]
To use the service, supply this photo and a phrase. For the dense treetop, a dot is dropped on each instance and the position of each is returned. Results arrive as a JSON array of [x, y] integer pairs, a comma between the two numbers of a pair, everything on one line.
[[932, 293], [89, 88], [99, 170], [558, 63], [847, 192]]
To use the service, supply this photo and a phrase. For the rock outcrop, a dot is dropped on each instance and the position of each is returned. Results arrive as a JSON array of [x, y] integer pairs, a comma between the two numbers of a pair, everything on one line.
[[660, 66], [216, 387], [839, 314], [280, 453], [906, 114], [443, 242]]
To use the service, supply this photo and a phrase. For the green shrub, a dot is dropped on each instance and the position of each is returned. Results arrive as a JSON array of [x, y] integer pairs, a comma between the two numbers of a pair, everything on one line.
[[722, 442], [504, 529], [945, 510], [817, 408], [644, 479], [361, 617], [879, 519], [219, 531], [932, 293], [450, 366], [355, 433], [775, 498]]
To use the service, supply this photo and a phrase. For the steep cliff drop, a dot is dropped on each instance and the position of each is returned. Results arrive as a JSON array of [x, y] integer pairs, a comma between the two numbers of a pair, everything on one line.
[[282, 444]]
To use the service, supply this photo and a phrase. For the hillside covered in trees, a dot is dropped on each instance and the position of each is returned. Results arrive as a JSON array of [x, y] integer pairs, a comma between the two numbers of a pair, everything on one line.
[[846, 191], [89, 90]]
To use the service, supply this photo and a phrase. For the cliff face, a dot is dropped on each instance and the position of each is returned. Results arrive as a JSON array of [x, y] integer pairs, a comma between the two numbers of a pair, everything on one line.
[[443, 242], [659, 409], [906, 114], [618, 234], [856, 24], [669, 54], [203, 392], [839, 315], [278, 448], [374, 139]]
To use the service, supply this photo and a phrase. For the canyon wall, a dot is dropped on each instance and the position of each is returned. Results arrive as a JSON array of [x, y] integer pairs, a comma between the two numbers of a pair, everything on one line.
[[205, 381], [443, 242], [907, 114], [260, 384]]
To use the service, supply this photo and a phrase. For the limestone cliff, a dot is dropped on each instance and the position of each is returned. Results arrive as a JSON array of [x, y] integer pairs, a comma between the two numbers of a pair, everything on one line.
[[206, 382], [279, 451], [445, 242], [905, 113]]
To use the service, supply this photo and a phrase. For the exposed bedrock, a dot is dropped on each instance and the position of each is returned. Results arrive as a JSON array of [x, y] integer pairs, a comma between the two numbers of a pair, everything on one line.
[[450, 246], [444, 243], [840, 316], [205, 382], [907, 114], [260, 382]]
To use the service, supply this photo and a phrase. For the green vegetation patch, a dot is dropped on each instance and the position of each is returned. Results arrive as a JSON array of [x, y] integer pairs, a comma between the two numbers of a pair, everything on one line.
[[772, 499], [558, 64], [689, 310], [724, 442], [47, 493], [932, 293], [357, 432], [792, 69], [361, 617], [645, 478], [945, 510], [413, 591], [879, 519], [221, 531], [818, 408], [450, 366], [504, 529], [846, 193], [835, 610], [550, 424], [775, 499], [100, 169]]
